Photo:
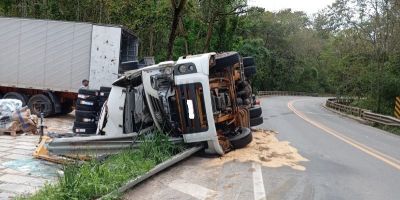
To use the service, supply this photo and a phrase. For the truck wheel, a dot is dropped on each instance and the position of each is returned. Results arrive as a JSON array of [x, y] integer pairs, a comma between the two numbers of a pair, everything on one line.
[[66, 110], [255, 111], [225, 60], [88, 92], [248, 61], [105, 89], [86, 105], [85, 116], [104, 94], [256, 121], [243, 138], [84, 127], [250, 71], [67, 107], [15, 95], [85, 124], [38, 102], [1, 96], [85, 108], [84, 130], [88, 97]]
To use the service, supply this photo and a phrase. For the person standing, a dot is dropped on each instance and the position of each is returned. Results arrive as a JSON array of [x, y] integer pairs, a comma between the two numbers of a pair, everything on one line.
[[85, 84]]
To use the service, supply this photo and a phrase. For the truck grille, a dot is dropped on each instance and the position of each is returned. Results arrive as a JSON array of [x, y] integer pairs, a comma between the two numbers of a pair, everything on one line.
[[193, 92], [158, 109]]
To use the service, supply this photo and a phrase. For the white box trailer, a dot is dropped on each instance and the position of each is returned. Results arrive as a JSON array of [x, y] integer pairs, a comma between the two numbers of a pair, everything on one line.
[[53, 57]]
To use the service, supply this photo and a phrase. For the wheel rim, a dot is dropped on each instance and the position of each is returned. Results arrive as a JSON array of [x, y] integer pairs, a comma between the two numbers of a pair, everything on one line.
[[37, 107]]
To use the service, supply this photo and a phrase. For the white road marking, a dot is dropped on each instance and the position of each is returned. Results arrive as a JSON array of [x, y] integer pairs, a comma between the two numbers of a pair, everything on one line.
[[259, 189], [194, 190]]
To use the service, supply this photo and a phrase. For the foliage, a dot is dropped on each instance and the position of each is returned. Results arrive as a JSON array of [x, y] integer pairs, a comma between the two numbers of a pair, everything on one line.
[[94, 179], [350, 48]]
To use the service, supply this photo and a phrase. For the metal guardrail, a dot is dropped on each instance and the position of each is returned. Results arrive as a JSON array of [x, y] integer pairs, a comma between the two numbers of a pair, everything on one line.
[[285, 93], [381, 119], [339, 105]]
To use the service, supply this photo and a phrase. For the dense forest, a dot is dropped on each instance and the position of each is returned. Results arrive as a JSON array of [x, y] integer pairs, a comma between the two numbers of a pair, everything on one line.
[[352, 47]]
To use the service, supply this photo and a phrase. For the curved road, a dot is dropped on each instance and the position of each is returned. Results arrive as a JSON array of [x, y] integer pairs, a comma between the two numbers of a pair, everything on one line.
[[347, 160]]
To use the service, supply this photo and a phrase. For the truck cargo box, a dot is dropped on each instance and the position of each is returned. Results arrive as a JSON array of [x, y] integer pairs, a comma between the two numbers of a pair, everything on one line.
[[58, 55]]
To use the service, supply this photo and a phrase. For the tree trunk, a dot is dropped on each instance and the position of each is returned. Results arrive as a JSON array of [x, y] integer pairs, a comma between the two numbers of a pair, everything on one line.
[[174, 25], [209, 34], [185, 35], [151, 45]]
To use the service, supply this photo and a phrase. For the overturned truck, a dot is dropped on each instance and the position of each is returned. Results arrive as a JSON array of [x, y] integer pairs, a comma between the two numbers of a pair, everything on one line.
[[201, 99]]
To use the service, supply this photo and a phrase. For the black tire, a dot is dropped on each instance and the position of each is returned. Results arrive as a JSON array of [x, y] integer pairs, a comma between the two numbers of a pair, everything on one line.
[[83, 104], [225, 60], [88, 92], [127, 66], [80, 130], [66, 110], [1, 96], [102, 99], [105, 89], [86, 108], [85, 124], [67, 107], [41, 103], [86, 105], [85, 116], [248, 61], [104, 94], [255, 111], [256, 121], [88, 97], [242, 139], [239, 101], [250, 71], [15, 95]]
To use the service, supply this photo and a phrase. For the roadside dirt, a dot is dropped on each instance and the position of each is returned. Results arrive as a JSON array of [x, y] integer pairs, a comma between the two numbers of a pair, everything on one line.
[[267, 150]]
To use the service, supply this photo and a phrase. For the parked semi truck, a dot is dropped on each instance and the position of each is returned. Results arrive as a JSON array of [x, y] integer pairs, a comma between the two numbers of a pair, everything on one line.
[[43, 62]]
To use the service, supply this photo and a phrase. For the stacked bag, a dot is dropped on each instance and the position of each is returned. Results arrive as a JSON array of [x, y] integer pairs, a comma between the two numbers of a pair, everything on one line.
[[15, 118], [88, 106]]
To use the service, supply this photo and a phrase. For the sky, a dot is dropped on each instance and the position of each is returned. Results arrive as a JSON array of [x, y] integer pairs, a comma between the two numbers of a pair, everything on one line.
[[308, 6]]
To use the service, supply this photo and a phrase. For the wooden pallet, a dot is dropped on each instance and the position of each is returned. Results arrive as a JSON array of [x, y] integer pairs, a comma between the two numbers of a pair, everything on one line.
[[6, 132]]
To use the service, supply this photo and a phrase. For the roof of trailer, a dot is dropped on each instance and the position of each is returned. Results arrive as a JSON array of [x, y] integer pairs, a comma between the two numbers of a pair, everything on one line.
[[63, 21]]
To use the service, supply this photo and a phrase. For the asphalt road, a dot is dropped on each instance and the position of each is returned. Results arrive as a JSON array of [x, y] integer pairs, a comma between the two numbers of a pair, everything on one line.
[[347, 160]]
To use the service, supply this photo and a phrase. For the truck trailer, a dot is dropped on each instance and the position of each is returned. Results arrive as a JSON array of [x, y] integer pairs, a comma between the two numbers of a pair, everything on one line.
[[43, 62]]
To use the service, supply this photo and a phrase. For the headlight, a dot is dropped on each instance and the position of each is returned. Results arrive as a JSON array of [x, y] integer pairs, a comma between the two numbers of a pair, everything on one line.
[[182, 69], [185, 68], [191, 67]]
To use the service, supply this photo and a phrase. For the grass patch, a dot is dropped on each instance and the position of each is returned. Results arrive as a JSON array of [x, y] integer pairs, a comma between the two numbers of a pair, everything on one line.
[[94, 179], [387, 108], [391, 129]]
